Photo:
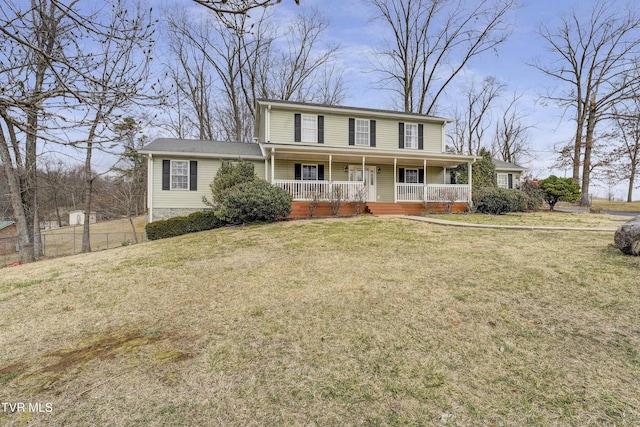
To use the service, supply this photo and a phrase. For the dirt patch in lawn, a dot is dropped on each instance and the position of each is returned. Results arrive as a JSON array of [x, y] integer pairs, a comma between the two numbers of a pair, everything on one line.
[[127, 348]]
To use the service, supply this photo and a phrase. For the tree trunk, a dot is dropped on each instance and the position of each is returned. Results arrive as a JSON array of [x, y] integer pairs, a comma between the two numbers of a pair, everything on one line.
[[133, 228], [88, 189], [632, 179], [586, 166]]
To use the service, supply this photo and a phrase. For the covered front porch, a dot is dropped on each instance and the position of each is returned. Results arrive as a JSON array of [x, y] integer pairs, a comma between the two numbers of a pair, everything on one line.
[[323, 174], [357, 191]]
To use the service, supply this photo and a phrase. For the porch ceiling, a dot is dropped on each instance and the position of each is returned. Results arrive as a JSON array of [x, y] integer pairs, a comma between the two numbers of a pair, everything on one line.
[[372, 157]]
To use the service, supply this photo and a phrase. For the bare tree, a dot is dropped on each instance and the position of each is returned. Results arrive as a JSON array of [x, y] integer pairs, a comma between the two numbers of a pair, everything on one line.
[[295, 73], [472, 123], [36, 63], [432, 41], [596, 63], [511, 134], [625, 146], [193, 83], [114, 78], [220, 70]]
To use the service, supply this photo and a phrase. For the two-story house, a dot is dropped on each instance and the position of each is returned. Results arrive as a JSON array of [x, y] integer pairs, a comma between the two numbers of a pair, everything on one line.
[[394, 162]]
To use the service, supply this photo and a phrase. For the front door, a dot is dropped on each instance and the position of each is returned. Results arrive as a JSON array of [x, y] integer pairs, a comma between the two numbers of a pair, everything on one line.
[[355, 174]]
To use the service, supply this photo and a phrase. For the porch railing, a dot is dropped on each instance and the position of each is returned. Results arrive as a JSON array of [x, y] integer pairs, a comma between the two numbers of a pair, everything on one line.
[[321, 190], [452, 193]]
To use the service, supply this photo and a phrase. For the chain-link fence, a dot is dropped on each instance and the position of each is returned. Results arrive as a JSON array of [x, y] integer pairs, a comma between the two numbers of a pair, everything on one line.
[[61, 244]]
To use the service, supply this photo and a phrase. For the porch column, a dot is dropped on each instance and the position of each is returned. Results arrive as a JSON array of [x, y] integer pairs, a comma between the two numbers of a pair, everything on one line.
[[424, 184], [395, 180], [363, 175], [330, 158], [273, 167], [469, 167]]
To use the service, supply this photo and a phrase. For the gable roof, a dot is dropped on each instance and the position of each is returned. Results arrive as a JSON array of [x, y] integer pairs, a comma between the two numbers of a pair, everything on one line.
[[5, 224], [198, 148], [501, 165], [351, 110]]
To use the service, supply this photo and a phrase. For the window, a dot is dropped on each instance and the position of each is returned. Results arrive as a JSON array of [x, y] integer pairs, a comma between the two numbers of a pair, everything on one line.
[[310, 172], [410, 135], [309, 128], [179, 175], [362, 132], [411, 176], [505, 180]]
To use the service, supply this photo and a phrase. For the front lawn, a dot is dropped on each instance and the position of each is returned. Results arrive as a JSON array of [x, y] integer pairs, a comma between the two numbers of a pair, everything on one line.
[[358, 321]]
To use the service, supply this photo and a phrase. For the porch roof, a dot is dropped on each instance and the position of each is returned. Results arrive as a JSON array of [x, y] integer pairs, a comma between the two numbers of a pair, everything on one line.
[[372, 155]]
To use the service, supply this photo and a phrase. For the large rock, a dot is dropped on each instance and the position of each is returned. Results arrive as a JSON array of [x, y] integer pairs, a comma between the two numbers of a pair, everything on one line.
[[627, 237]]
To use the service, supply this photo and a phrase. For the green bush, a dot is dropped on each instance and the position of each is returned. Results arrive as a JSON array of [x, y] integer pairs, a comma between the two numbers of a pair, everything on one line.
[[498, 201], [228, 176], [254, 201], [556, 189], [201, 221], [179, 225]]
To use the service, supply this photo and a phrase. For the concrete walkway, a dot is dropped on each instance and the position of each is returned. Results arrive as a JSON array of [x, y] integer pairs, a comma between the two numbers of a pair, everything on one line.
[[511, 227]]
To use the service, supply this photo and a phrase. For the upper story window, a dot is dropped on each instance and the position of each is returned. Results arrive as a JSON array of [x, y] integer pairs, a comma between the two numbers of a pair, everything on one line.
[[179, 175], [362, 132], [410, 135], [309, 128]]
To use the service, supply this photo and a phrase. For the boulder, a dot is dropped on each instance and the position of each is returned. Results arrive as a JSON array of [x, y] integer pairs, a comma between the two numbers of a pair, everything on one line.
[[627, 237]]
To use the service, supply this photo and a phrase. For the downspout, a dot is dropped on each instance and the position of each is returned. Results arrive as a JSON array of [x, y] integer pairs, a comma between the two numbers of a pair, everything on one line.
[[267, 133], [273, 169], [150, 187]]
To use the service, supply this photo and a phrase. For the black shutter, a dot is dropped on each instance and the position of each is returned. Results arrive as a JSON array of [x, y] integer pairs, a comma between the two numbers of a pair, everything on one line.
[[510, 180], [401, 175], [420, 137], [297, 171], [320, 129], [166, 174], [193, 175], [320, 172], [352, 131], [297, 132], [401, 136], [421, 176], [372, 133]]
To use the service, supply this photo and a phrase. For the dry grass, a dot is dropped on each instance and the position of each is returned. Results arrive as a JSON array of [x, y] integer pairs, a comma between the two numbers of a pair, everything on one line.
[[365, 321], [540, 218], [617, 206]]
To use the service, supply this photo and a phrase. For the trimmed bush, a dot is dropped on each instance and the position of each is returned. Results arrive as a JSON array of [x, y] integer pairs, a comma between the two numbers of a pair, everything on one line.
[[179, 225], [498, 201], [201, 221], [254, 201]]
